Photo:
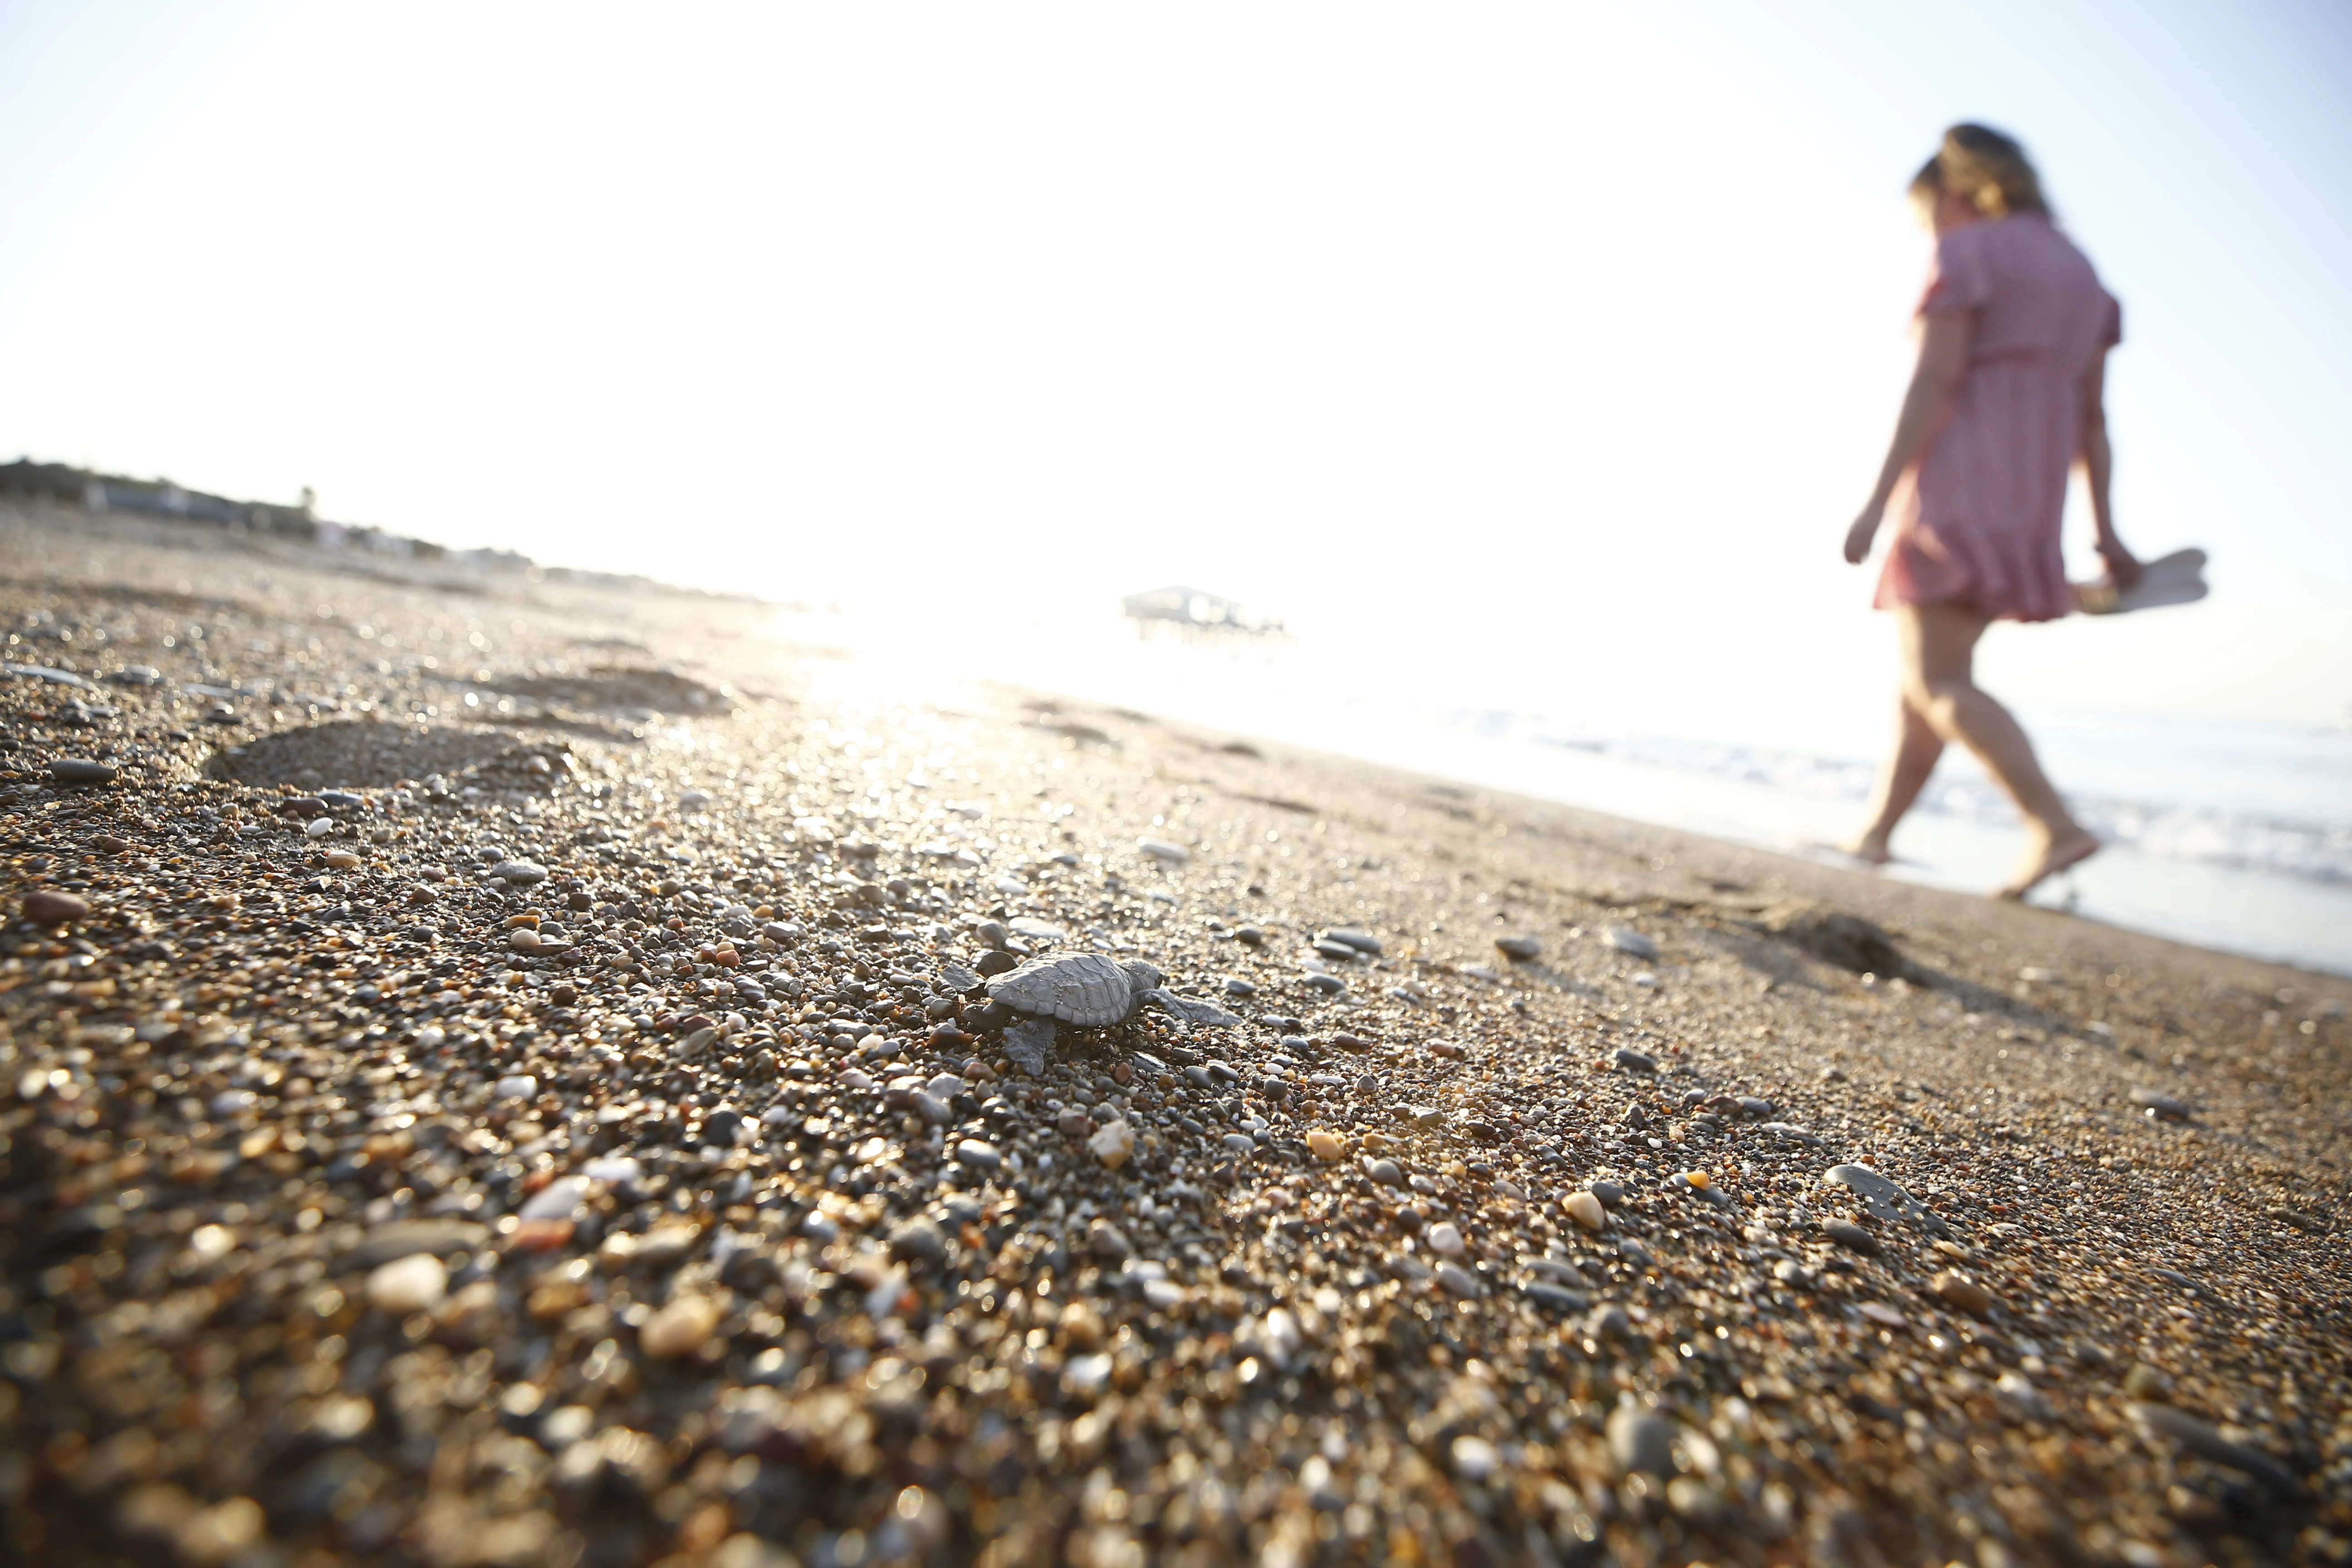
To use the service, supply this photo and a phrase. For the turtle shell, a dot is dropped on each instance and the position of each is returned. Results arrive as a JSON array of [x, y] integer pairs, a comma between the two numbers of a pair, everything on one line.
[[1088, 989]]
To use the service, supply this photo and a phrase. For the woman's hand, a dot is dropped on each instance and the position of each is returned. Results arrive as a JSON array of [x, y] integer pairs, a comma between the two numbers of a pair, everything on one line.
[[1865, 528], [2124, 569]]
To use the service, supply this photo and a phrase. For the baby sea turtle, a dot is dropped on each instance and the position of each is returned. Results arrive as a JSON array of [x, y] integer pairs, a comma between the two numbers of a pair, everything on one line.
[[1089, 990]]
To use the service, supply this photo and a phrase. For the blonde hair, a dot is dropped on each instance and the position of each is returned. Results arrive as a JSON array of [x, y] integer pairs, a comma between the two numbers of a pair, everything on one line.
[[1985, 168]]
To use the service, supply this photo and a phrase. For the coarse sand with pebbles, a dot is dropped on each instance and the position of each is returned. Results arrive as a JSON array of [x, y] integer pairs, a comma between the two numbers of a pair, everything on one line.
[[501, 1069]]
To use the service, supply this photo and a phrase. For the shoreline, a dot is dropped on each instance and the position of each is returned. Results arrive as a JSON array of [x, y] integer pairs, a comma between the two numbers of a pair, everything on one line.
[[665, 1194]]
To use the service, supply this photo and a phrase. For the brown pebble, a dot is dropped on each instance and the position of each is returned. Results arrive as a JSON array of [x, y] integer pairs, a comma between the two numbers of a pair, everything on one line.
[[1961, 1293], [679, 1329], [45, 908]]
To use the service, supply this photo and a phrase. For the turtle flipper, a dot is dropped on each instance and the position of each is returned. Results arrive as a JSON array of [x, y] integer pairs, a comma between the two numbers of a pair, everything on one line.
[[1026, 1042], [1191, 1009]]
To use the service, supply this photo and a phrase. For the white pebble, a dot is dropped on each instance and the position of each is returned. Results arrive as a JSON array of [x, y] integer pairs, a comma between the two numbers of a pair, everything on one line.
[[405, 1284], [320, 827], [1445, 1240], [516, 1085]]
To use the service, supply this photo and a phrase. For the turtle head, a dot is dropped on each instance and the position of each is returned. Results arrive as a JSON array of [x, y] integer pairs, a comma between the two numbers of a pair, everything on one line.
[[1141, 976]]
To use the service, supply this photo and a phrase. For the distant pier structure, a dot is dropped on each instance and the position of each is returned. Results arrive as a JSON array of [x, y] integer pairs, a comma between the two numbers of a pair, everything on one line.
[[1188, 612]]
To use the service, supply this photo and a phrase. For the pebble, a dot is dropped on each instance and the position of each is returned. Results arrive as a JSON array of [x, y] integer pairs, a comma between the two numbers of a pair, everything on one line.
[[1633, 1060], [403, 1238], [559, 1199], [1240, 1143], [1609, 1193], [1459, 1280], [1585, 1209], [1355, 937], [1847, 1233], [2196, 1437], [1444, 1239], [1240, 989], [412, 1284], [80, 771], [680, 1329], [519, 873], [2160, 1107], [920, 1239], [1641, 1442], [319, 827], [1107, 1241], [1520, 948], [1384, 1172], [1164, 849], [1475, 1458], [43, 907], [516, 1085], [1961, 1293], [978, 1155], [1113, 1144], [2013, 1390], [1325, 1144], [1631, 942], [1883, 1198]]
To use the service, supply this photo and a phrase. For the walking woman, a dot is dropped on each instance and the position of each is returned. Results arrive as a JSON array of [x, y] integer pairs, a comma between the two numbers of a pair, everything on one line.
[[2007, 398]]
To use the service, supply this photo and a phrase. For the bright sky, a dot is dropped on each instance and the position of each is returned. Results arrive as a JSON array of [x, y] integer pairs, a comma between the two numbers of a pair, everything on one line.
[[1546, 348]]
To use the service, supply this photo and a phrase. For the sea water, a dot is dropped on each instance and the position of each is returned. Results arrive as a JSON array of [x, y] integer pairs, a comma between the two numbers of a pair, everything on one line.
[[2226, 834]]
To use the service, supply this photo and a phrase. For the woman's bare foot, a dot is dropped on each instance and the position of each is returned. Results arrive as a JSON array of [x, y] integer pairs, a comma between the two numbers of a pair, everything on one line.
[[2072, 849], [1871, 848]]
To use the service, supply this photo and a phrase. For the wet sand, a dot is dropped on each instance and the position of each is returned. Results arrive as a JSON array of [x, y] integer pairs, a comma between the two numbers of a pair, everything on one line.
[[523, 1089]]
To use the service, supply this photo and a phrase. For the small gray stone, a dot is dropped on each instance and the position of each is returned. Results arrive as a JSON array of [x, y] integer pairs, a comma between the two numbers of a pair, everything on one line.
[[2161, 1107], [1367, 1086], [80, 771], [1459, 1280], [1610, 1194], [1240, 1143], [1384, 1172], [43, 672], [977, 1154], [1608, 1321], [406, 1238], [1556, 1297], [519, 873], [1521, 948], [1640, 1441], [1240, 989], [920, 1239], [1632, 1060], [2198, 1438], [1629, 942], [1847, 1233], [959, 979], [1355, 937]]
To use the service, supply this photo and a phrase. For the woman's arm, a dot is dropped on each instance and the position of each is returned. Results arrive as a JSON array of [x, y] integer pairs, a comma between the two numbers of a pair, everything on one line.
[[1943, 365], [2098, 459]]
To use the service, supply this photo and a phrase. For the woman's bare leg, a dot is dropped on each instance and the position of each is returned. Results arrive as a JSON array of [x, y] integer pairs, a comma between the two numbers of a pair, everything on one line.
[[1939, 643], [1908, 765]]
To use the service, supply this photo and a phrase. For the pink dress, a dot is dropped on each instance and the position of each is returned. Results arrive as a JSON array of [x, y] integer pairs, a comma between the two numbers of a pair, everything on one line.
[[1976, 518]]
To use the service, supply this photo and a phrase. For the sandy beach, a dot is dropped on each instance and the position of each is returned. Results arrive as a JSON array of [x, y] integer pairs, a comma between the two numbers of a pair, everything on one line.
[[501, 1069]]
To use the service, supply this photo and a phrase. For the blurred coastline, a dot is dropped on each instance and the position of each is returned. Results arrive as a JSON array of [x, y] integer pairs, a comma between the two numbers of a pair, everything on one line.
[[2229, 834]]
